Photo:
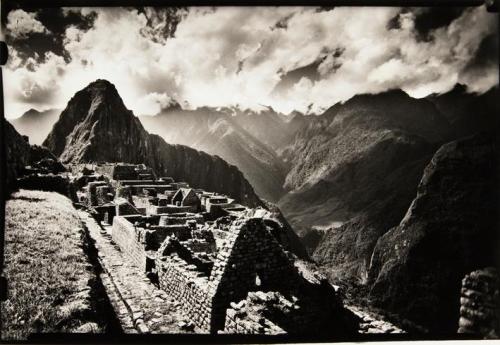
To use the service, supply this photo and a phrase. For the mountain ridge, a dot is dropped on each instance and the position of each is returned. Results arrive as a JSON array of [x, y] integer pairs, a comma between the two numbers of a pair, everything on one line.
[[217, 133]]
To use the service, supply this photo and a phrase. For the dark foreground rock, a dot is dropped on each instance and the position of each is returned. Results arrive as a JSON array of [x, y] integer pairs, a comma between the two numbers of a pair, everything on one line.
[[449, 230], [17, 156]]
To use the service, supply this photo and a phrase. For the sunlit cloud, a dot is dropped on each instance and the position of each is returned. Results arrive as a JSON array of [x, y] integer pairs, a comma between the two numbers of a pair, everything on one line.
[[246, 57], [20, 24]]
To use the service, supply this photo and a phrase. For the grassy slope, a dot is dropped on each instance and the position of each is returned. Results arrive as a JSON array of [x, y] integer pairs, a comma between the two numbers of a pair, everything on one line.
[[47, 270]]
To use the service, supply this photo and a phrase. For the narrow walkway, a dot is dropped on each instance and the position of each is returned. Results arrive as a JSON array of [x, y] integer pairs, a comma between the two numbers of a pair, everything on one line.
[[372, 323], [139, 305]]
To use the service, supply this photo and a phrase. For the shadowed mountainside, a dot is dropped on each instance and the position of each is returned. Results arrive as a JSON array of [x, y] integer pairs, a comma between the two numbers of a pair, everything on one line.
[[449, 230], [468, 113], [356, 171], [17, 156]]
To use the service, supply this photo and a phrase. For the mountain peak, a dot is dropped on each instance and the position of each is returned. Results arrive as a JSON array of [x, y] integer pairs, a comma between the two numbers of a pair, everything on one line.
[[101, 87], [32, 111], [95, 111], [101, 84], [459, 88], [172, 106]]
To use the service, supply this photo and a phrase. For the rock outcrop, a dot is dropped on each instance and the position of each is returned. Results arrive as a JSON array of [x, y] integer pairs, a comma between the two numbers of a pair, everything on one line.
[[449, 230], [96, 126]]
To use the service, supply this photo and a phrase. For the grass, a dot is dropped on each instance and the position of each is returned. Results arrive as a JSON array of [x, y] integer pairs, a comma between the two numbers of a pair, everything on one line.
[[47, 270]]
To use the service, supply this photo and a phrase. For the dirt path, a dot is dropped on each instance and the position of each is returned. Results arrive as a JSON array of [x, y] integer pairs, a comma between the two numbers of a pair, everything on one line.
[[139, 305]]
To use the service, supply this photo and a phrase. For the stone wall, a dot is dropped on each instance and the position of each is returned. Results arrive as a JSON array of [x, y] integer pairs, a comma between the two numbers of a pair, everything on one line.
[[124, 172], [48, 183], [159, 188], [105, 213], [240, 322], [92, 198], [161, 232], [180, 218], [104, 169], [141, 182], [247, 317], [124, 192], [187, 284], [124, 208], [104, 194], [249, 259], [169, 209], [480, 304], [124, 234]]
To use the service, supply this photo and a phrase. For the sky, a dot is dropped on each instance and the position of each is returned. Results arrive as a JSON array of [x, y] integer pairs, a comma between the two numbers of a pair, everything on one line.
[[288, 58]]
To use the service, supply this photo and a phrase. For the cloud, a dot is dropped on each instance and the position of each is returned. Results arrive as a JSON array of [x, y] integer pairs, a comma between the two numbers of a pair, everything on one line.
[[290, 58], [155, 102], [20, 24], [37, 84]]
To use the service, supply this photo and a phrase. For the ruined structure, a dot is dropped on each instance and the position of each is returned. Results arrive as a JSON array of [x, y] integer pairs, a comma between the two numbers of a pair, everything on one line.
[[225, 263], [480, 304]]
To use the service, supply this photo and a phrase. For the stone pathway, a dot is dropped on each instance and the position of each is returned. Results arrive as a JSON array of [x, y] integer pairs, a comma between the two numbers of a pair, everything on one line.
[[372, 323], [140, 306]]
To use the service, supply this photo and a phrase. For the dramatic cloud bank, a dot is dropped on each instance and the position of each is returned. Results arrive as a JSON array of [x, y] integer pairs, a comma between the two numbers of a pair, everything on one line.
[[302, 59]]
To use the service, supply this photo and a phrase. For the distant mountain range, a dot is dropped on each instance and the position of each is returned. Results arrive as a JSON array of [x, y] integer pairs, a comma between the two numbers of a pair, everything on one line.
[[36, 124], [220, 133]]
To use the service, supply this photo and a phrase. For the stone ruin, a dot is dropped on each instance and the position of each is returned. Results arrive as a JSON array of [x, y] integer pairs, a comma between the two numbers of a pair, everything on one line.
[[480, 304], [45, 172], [225, 263]]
